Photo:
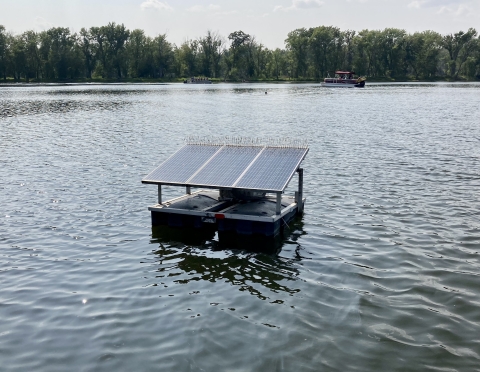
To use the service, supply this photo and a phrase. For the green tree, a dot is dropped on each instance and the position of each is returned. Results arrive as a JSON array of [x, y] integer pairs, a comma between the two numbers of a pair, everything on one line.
[[18, 61], [136, 48], [239, 60], [116, 36], [76, 65], [297, 45], [32, 56], [211, 52], [99, 39], [162, 55], [422, 51], [370, 58], [87, 45], [279, 63], [60, 44], [261, 58], [349, 49], [247, 69], [326, 50], [46, 68], [186, 58], [459, 46], [393, 52], [3, 52]]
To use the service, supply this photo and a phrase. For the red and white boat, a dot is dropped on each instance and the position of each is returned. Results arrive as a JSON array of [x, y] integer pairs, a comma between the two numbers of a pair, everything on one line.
[[344, 79]]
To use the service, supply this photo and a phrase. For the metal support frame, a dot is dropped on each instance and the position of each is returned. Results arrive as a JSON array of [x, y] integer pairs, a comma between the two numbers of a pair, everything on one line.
[[299, 193], [159, 194], [189, 190], [278, 208]]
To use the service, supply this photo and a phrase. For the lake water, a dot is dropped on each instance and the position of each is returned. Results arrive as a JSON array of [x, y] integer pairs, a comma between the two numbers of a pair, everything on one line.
[[382, 273]]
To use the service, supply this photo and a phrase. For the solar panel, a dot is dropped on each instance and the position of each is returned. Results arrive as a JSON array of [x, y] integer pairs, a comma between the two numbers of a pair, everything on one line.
[[272, 169], [226, 166], [183, 164], [255, 167]]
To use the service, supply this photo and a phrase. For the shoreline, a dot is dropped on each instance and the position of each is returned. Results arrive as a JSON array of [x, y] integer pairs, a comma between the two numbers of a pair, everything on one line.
[[169, 82]]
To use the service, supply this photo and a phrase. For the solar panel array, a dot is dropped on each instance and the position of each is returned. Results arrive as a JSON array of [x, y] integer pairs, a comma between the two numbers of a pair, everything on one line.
[[264, 168]]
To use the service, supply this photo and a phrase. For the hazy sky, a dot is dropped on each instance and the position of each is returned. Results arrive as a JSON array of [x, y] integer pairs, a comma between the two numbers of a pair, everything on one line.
[[268, 20]]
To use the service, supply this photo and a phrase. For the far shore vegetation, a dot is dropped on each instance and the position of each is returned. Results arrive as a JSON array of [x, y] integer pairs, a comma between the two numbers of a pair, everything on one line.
[[112, 53]]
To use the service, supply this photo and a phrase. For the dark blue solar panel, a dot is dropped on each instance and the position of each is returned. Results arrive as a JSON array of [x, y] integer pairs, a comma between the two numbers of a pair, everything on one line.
[[226, 166], [273, 169], [183, 164]]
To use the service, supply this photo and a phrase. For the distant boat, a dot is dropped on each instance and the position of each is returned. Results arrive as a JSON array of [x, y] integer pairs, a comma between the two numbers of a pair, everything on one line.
[[344, 79], [199, 80]]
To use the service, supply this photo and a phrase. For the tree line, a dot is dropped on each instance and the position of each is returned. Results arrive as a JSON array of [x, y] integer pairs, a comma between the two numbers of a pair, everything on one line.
[[113, 52]]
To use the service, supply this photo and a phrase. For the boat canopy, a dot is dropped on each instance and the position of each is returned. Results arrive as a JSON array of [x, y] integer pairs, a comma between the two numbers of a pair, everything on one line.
[[345, 72]]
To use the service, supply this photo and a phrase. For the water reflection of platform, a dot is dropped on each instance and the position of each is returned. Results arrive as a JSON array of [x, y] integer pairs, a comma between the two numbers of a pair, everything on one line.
[[261, 275]]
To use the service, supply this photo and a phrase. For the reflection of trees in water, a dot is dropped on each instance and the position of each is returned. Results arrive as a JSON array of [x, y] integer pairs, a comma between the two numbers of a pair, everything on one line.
[[14, 108], [122, 91], [248, 271]]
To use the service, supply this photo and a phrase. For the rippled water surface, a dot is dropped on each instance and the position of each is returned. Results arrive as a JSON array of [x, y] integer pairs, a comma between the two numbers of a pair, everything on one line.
[[381, 273]]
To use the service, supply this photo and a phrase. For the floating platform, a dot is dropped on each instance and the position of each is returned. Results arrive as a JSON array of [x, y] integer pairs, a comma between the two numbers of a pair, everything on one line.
[[242, 184]]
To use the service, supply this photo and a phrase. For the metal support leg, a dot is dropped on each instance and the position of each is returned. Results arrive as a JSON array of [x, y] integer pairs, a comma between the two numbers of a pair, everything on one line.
[[278, 209], [300, 190], [189, 190], [159, 194]]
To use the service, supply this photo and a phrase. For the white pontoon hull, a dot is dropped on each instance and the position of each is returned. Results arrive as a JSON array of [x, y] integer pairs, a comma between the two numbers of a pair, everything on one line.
[[338, 85]]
